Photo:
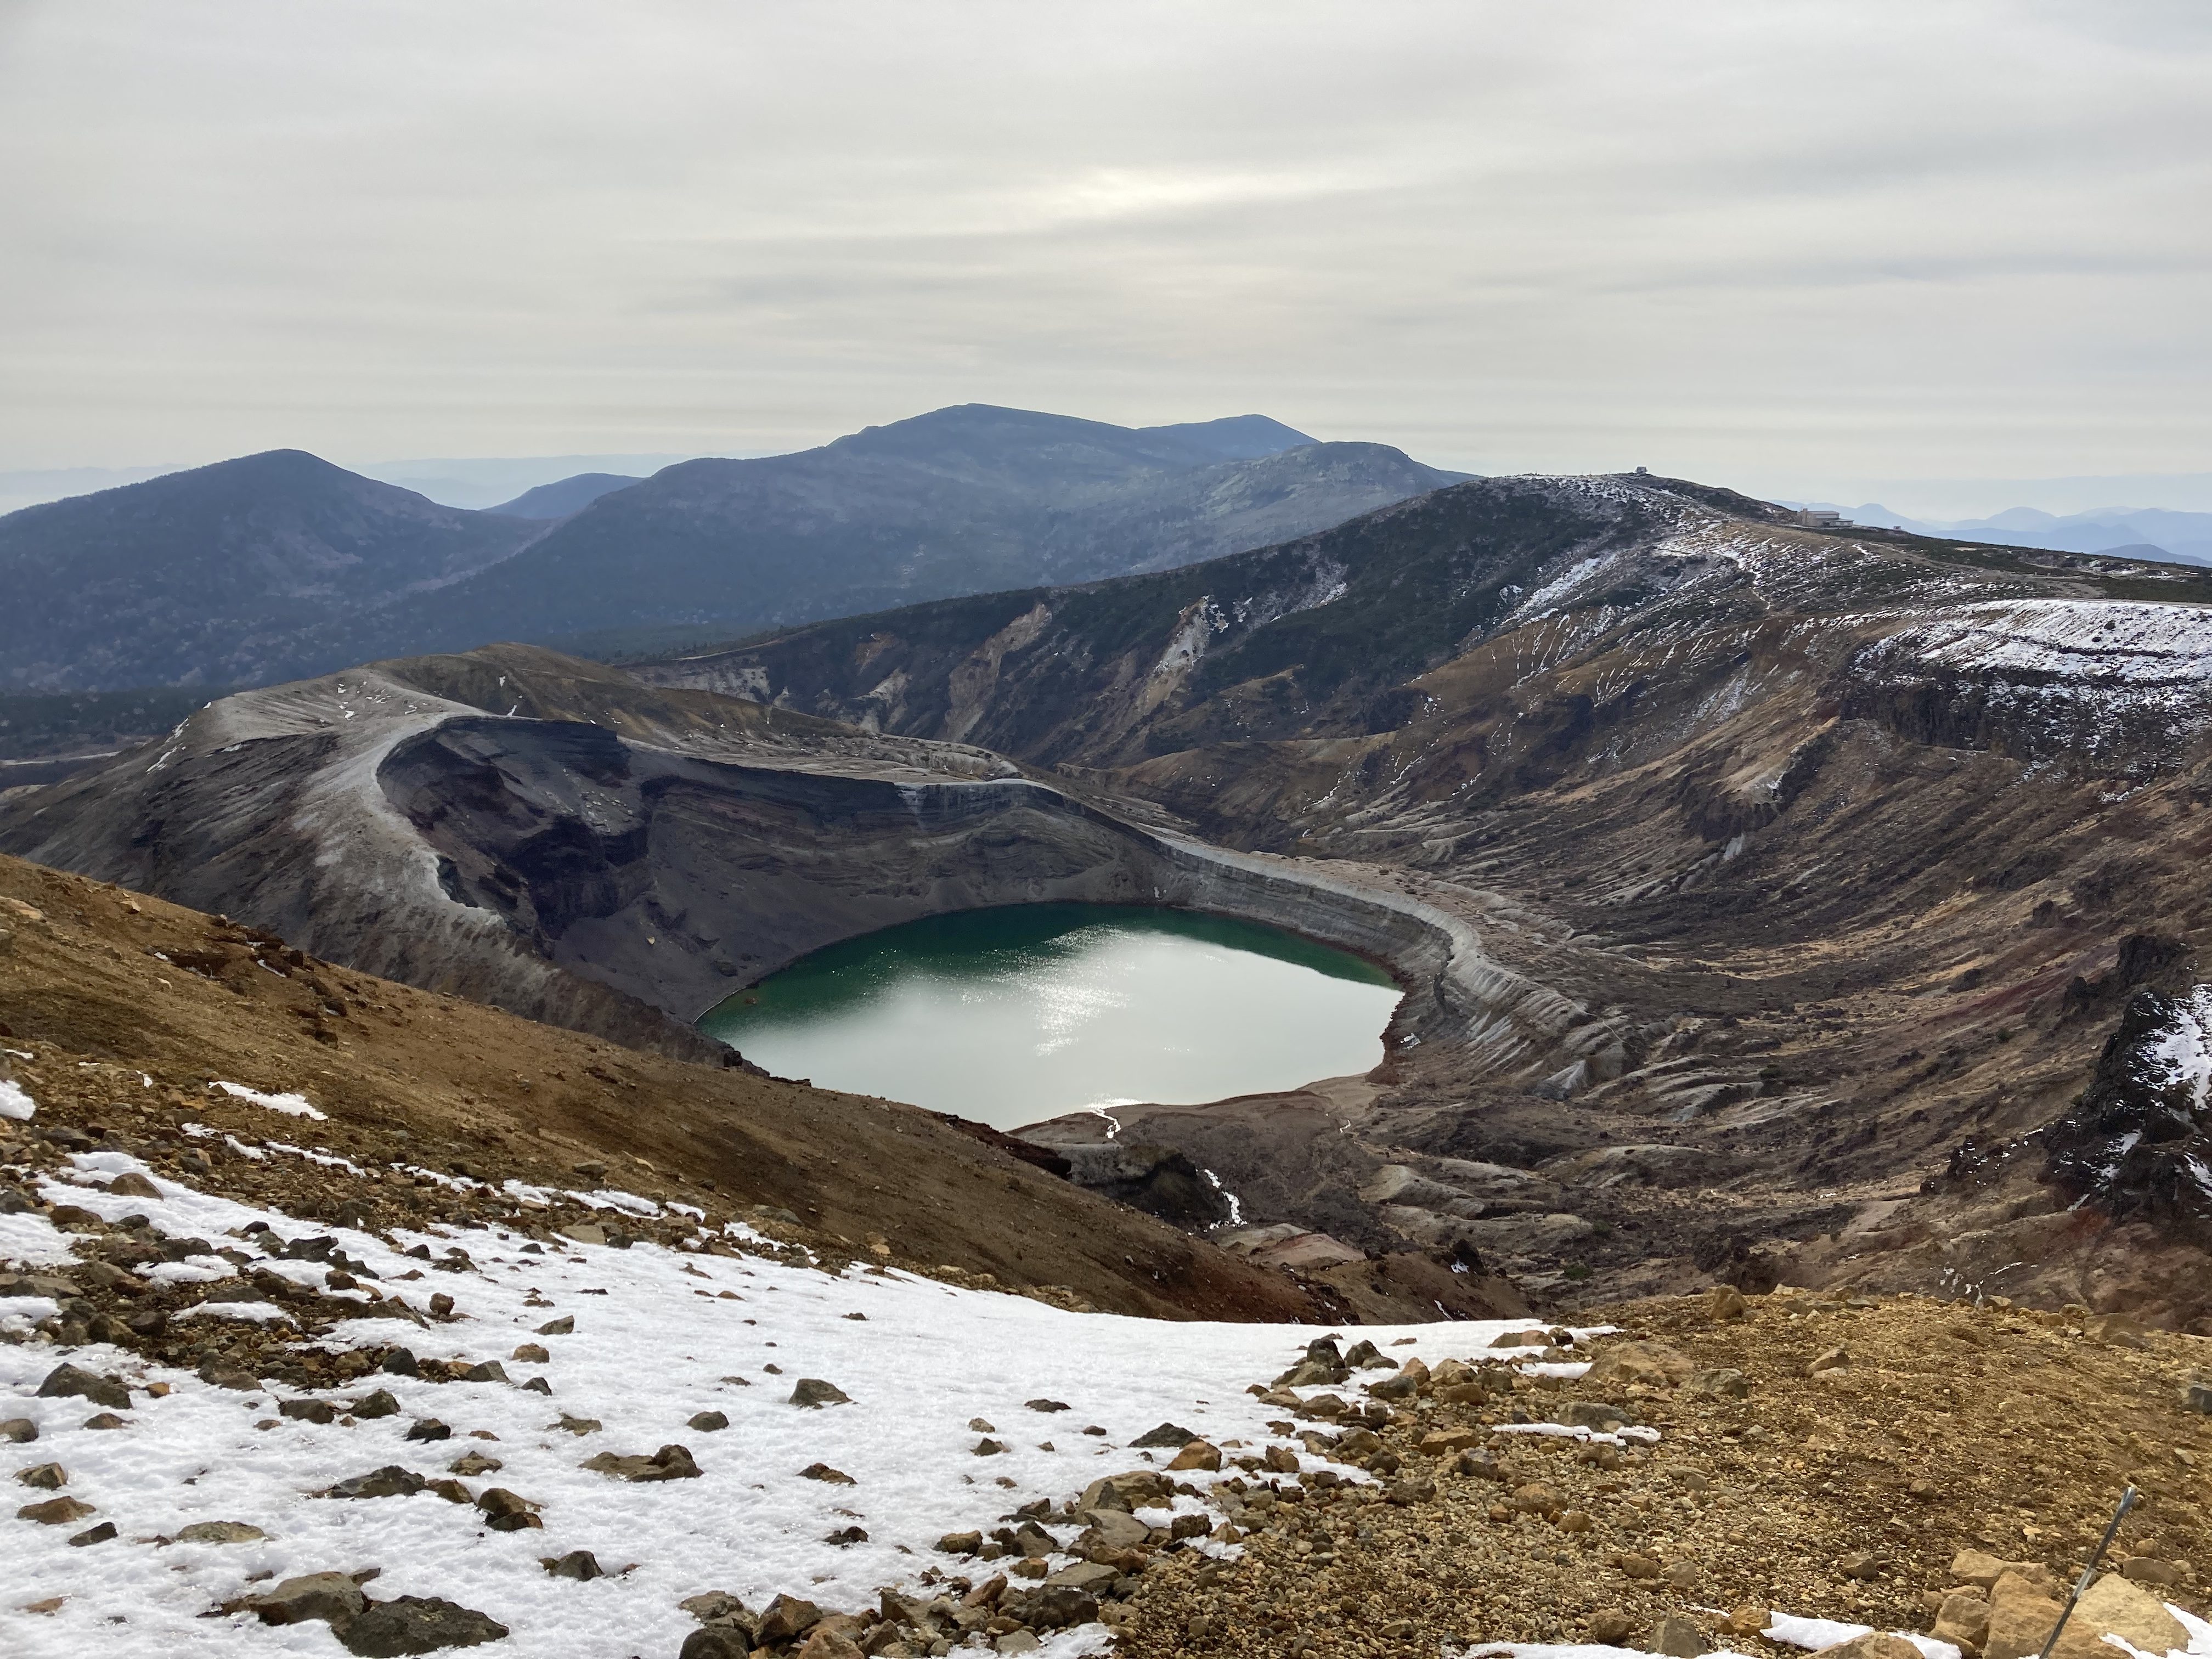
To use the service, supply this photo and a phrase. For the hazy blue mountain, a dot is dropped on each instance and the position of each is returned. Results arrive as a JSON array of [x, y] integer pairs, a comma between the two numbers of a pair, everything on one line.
[[2153, 533], [965, 499], [213, 574], [281, 565], [558, 500]]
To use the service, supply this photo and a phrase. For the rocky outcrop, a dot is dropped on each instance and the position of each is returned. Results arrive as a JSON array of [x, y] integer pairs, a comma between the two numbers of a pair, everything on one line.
[[2138, 1143]]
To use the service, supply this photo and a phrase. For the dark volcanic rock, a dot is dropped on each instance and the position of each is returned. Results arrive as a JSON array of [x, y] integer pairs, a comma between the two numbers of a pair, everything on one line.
[[2136, 1142]]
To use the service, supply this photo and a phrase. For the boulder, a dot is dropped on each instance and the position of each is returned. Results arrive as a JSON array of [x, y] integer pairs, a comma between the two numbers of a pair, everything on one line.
[[67, 1381], [708, 1422], [960, 1543], [2020, 1619], [331, 1596], [55, 1512], [2115, 1606], [417, 1624], [390, 1482], [669, 1463], [1963, 1619], [1167, 1434], [712, 1642], [813, 1393], [1198, 1455], [1051, 1607], [1652, 1363], [43, 1477], [1725, 1302], [579, 1564], [1677, 1635], [1875, 1645], [785, 1620]]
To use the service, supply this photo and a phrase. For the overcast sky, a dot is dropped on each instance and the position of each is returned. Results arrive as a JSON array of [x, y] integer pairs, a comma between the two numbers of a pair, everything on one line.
[[1784, 245]]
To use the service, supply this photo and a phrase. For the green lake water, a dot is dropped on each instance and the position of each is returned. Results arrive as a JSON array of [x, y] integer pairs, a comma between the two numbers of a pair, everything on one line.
[[1013, 1015]]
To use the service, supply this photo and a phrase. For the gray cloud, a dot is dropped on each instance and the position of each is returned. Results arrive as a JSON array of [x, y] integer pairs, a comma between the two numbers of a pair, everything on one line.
[[1775, 244]]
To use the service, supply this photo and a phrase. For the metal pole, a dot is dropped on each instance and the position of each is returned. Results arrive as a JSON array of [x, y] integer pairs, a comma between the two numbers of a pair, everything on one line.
[[2080, 1584]]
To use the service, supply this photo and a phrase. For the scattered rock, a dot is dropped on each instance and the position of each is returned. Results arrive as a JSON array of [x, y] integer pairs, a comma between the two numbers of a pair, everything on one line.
[[45, 1477], [307, 1411], [576, 1424], [1725, 1302], [824, 1472], [1202, 1455], [470, 1464], [812, 1391], [531, 1353], [708, 1422], [960, 1543], [379, 1404], [417, 1624], [20, 1431], [564, 1326], [1864, 1567], [428, 1428], [1677, 1635], [579, 1564], [1834, 1360], [1046, 1405], [99, 1534]]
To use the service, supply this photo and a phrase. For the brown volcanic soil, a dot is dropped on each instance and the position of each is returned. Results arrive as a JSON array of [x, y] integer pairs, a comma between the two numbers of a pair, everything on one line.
[[409, 1077], [1950, 1428]]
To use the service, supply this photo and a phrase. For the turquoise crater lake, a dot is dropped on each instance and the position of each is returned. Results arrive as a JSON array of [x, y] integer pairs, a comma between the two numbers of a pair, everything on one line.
[[1013, 1015]]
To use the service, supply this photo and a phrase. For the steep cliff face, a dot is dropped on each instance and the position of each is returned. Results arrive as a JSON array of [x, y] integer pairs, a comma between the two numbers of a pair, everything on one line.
[[595, 851]]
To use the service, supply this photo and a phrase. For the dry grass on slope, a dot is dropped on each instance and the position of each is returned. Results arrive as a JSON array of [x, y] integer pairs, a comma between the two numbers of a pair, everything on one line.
[[100, 987]]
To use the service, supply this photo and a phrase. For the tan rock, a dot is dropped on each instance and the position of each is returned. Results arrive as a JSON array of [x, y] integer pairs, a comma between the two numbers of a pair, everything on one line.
[[2114, 1607], [1199, 1454], [1609, 1626], [1963, 1619], [1724, 1303], [1653, 1363], [1973, 1567], [1875, 1645], [1678, 1635], [2020, 1619]]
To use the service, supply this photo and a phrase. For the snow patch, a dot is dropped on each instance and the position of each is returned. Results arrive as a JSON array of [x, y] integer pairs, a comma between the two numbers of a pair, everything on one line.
[[296, 1105], [14, 1104]]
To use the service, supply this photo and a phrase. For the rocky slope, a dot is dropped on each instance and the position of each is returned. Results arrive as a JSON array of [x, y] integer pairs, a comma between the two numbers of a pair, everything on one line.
[[1838, 852]]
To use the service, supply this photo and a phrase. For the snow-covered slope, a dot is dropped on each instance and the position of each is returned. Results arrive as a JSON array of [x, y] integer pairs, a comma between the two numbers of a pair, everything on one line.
[[658, 1337]]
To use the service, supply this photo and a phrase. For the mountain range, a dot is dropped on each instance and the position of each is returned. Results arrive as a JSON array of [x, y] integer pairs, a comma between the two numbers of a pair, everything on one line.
[[280, 564], [2156, 534]]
